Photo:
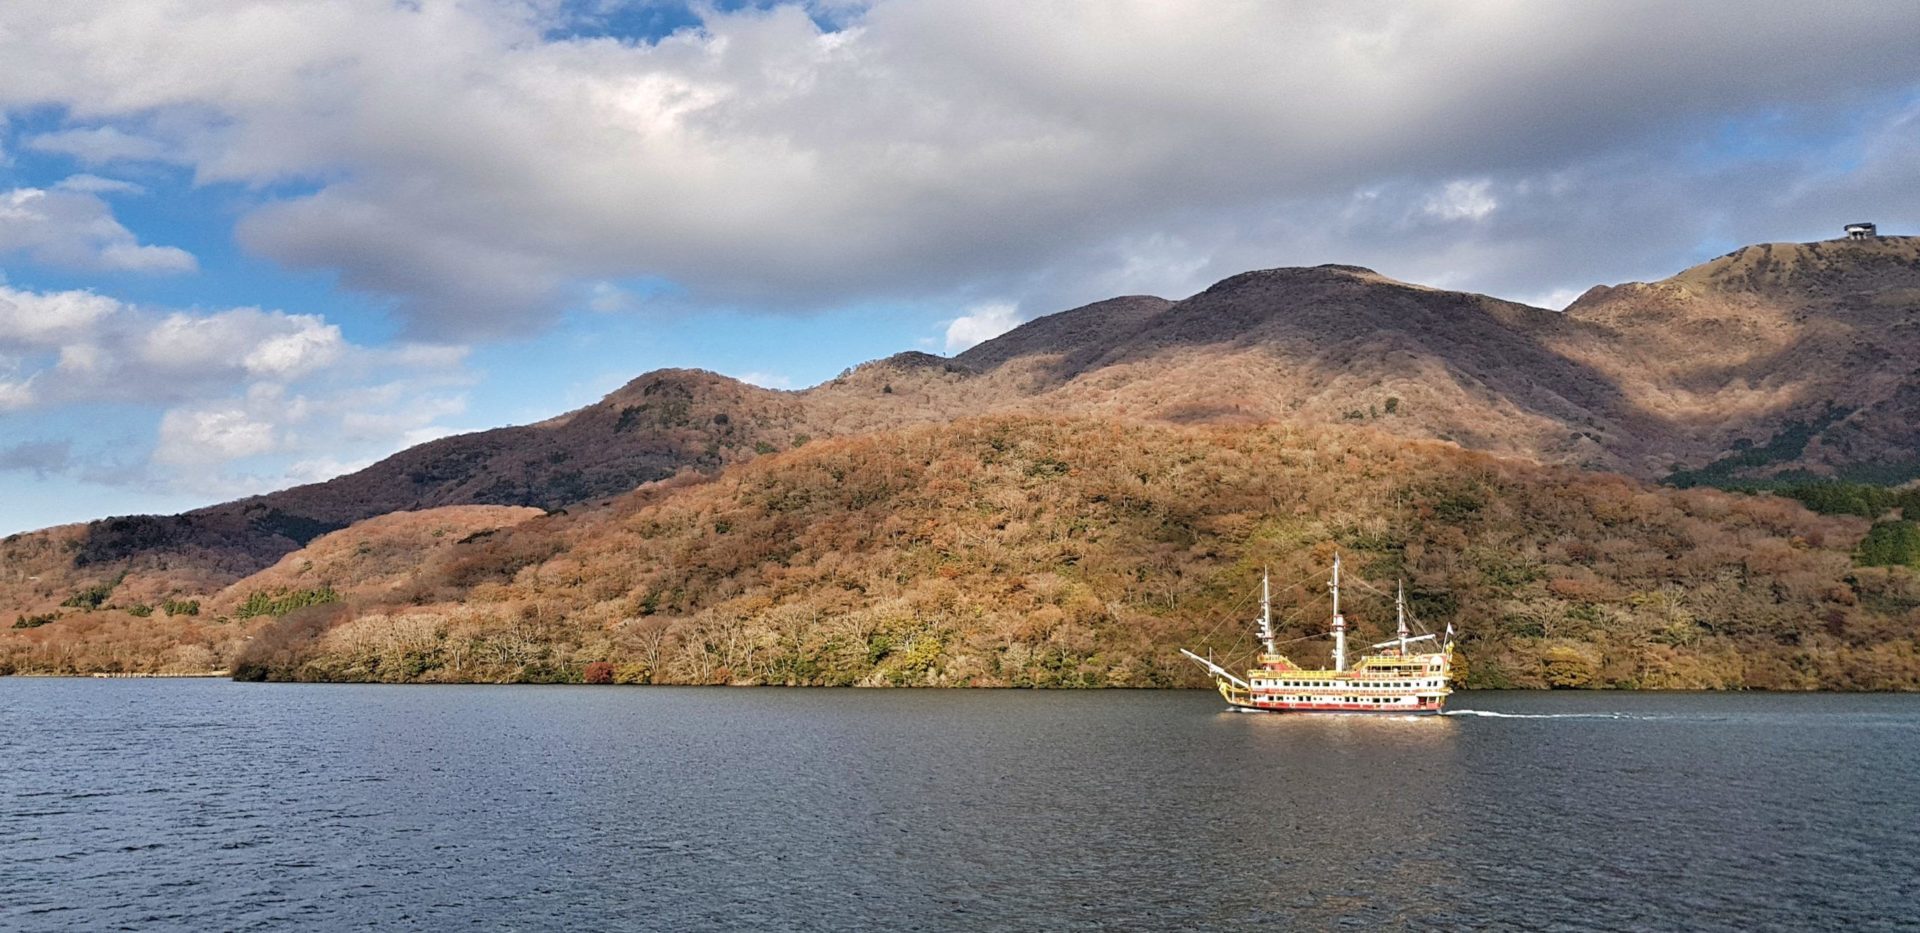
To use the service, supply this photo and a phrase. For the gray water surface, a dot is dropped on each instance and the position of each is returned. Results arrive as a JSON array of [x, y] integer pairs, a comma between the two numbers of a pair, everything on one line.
[[211, 805]]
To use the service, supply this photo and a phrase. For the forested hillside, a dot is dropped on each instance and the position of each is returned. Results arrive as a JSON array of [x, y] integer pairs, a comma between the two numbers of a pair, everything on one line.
[[1024, 551]]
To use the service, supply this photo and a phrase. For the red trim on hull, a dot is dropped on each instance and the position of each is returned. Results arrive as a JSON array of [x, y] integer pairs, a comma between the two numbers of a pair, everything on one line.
[[1342, 707]]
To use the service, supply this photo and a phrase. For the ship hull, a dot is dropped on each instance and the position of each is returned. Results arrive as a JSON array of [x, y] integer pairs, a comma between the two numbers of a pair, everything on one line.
[[1398, 686], [1402, 705], [1405, 709]]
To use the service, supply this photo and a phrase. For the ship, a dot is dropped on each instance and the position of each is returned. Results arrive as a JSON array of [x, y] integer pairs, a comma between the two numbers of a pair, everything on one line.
[[1390, 677]]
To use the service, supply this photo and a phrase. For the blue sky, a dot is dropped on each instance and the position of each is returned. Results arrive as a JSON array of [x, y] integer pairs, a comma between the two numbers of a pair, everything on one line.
[[244, 245]]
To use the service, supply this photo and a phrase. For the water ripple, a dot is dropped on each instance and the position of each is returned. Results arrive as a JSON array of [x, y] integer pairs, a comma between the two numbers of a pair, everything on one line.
[[210, 805]]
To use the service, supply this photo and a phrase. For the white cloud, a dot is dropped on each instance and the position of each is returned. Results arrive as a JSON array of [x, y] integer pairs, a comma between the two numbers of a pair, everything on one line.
[[266, 344], [43, 320], [71, 226], [608, 298], [213, 434], [15, 395], [981, 323], [244, 400], [94, 184], [267, 419], [83, 358], [462, 158], [98, 145], [133, 257], [1462, 200], [297, 353], [766, 380], [1556, 300], [321, 469]]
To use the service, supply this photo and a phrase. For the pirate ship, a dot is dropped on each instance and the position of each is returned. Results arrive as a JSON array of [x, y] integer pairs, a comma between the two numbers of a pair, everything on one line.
[[1389, 677]]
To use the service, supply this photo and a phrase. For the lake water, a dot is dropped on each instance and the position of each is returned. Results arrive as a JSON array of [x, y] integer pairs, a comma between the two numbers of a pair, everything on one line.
[[211, 805]]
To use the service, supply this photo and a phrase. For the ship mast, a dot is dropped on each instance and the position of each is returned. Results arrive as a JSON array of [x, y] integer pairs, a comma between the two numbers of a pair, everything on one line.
[[1266, 612], [1339, 621], [1400, 609]]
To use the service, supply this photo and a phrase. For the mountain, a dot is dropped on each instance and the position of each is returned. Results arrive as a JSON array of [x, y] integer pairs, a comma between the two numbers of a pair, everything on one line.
[[1782, 358], [647, 430], [1774, 361], [1773, 364], [1094, 325], [1329, 344]]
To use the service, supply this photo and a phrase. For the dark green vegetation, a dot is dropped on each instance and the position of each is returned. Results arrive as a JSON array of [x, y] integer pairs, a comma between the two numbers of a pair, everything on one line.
[[1894, 538], [1891, 544], [281, 602], [92, 597], [1785, 447]]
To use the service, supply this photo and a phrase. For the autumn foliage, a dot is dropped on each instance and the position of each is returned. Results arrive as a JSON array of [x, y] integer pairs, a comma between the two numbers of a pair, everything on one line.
[[1071, 553]]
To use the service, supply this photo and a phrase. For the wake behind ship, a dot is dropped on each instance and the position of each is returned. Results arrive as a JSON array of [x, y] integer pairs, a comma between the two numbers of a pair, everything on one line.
[[1393, 679]]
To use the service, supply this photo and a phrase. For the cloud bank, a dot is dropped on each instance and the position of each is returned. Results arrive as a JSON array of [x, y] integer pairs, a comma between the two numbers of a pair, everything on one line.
[[486, 163], [248, 399]]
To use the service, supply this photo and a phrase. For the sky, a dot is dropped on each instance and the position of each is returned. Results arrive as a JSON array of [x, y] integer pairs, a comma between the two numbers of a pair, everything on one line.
[[245, 245]]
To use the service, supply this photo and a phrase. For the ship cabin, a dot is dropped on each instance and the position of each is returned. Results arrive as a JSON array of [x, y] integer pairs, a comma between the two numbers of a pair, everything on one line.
[[1381, 670]]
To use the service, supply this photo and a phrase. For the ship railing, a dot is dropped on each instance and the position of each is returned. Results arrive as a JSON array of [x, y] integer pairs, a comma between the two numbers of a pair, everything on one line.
[[1351, 678]]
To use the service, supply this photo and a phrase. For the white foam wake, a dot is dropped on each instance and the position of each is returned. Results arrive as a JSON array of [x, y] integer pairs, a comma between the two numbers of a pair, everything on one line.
[[1498, 715]]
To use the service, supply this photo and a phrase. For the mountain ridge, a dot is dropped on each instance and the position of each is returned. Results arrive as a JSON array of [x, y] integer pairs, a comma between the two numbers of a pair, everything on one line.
[[1773, 360]]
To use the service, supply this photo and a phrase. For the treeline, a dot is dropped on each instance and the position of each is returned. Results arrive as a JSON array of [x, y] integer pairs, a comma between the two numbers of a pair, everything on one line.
[[117, 641], [1033, 552], [1862, 499], [126, 621], [1894, 538]]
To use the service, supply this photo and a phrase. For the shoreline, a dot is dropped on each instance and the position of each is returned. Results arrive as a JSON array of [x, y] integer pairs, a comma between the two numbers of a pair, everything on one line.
[[1458, 691]]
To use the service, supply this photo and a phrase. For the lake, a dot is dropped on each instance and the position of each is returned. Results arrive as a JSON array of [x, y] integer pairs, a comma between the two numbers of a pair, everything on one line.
[[189, 804]]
